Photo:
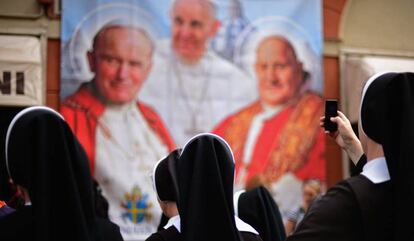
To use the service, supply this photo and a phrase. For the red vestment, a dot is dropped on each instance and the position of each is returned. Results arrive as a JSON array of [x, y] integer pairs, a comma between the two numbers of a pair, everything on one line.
[[290, 141], [82, 111]]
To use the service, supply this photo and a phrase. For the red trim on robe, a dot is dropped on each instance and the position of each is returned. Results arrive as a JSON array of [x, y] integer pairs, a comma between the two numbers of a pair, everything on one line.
[[82, 110], [267, 139], [268, 155]]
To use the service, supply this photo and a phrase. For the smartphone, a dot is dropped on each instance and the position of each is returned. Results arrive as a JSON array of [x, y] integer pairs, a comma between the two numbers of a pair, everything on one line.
[[331, 108]]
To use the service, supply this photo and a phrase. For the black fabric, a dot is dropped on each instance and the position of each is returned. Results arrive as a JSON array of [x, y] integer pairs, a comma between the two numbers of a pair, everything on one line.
[[163, 221], [355, 209], [374, 202], [164, 182], [101, 204], [257, 208], [357, 169], [387, 117], [19, 225], [169, 234], [6, 192], [248, 236], [106, 230], [46, 158], [205, 174], [335, 216]]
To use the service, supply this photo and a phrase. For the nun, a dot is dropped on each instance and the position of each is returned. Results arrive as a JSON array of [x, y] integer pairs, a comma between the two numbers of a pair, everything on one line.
[[45, 159], [8, 193], [377, 204], [165, 185], [205, 179], [258, 208]]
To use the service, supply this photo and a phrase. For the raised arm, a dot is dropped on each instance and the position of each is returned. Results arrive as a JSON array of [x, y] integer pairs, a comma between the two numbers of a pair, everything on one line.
[[345, 137]]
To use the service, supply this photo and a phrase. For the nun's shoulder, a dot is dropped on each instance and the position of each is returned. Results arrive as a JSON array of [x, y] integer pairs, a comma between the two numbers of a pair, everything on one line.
[[248, 236], [108, 229], [334, 216], [169, 234], [155, 237]]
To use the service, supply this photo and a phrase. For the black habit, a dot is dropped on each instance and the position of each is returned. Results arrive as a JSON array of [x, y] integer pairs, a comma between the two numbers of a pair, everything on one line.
[[201, 179], [44, 157], [205, 177], [172, 234], [258, 208], [358, 209]]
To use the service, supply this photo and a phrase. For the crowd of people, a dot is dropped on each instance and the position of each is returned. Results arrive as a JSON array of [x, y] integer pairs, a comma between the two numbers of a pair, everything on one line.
[[194, 185]]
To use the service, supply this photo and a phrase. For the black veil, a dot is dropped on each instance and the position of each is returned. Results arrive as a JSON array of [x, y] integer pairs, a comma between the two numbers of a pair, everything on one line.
[[205, 174], [43, 156], [258, 208], [387, 117]]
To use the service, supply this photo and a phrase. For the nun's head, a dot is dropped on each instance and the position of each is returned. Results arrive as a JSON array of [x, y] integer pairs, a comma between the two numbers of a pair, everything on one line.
[[387, 118], [44, 157], [209, 155], [386, 110], [205, 174], [24, 140], [165, 183], [364, 113], [258, 208]]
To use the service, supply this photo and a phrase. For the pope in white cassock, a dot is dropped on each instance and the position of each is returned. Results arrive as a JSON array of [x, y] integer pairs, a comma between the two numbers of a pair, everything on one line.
[[123, 137], [190, 86]]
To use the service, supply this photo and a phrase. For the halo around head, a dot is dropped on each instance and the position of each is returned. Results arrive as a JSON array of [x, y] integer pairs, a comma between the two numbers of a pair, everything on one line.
[[306, 51], [74, 62]]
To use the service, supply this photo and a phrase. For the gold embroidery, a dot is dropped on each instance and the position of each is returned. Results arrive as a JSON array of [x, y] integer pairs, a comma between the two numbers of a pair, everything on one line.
[[296, 139], [236, 132]]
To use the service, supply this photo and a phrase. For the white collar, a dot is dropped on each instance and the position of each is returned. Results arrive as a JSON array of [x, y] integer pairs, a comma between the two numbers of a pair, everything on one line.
[[236, 197], [269, 111], [241, 226], [244, 227], [120, 109], [376, 170], [174, 221]]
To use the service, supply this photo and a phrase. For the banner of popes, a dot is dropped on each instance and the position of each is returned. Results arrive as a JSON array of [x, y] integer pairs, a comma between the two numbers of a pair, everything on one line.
[[140, 78]]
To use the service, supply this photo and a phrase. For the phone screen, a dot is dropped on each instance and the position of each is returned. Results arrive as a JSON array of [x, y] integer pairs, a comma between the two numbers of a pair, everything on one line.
[[331, 108]]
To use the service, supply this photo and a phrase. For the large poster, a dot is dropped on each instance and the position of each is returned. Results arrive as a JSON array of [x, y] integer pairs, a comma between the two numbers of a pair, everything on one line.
[[139, 78]]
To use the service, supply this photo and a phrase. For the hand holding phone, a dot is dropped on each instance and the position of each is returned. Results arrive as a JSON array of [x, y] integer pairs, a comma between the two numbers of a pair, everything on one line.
[[331, 110]]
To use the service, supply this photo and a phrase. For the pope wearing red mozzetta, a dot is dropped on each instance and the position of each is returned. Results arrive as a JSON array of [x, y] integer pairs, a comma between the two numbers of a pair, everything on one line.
[[123, 137], [277, 140], [83, 110]]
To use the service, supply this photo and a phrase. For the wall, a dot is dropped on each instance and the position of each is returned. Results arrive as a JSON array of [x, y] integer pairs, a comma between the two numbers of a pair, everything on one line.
[[37, 17], [378, 25], [332, 12]]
